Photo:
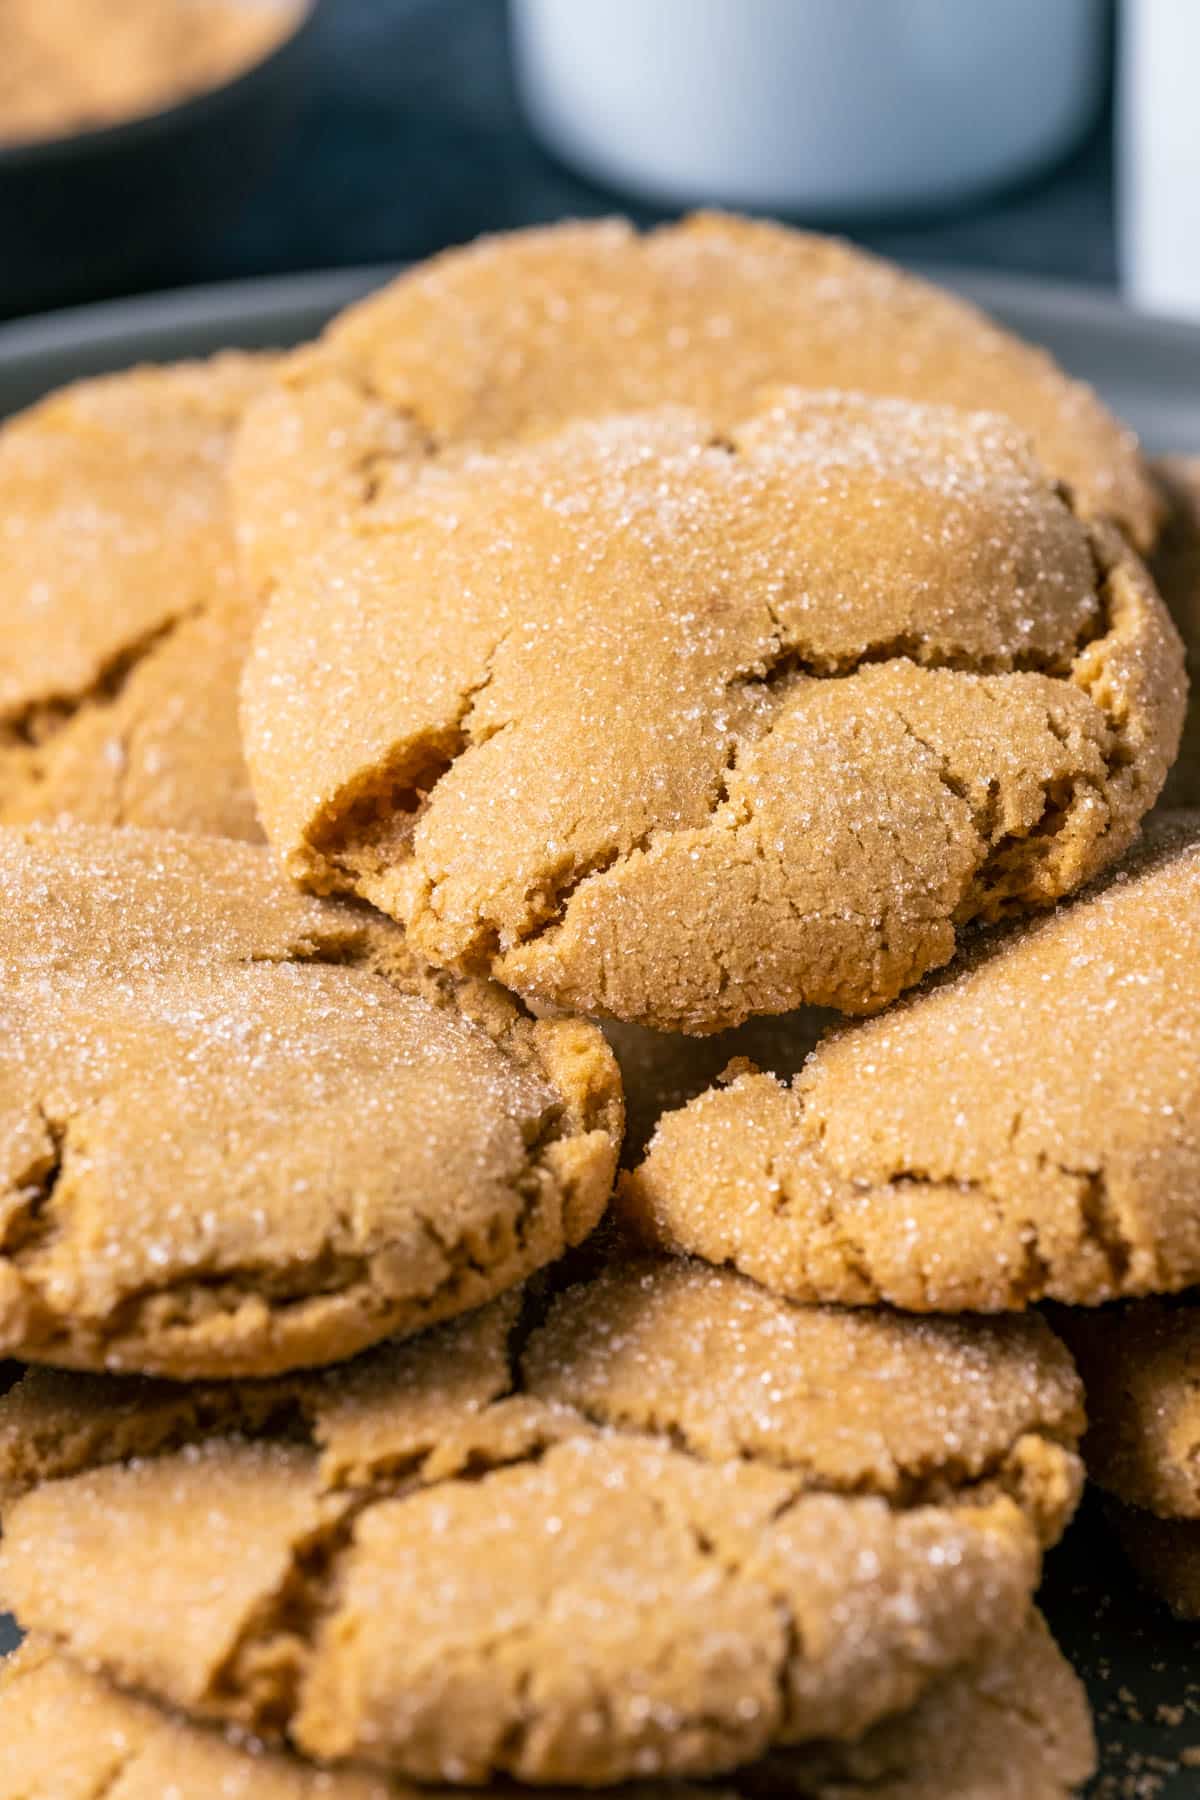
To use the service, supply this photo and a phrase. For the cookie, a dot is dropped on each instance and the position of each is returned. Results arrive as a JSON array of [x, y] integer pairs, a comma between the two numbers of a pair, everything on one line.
[[79, 65], [1026, 1127], [681, 727], [1141, 1366], [243, 1131], [123, 623], [1176, 569], [1013, 1727], [585, 1550], [514, 335]]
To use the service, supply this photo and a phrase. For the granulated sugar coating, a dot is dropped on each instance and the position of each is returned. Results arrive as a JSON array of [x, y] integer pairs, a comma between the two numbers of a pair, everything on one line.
[[514, 335], [242, 1131], [549, 1551], [1026, 1127], [1014, 1726], [680, 728], [122, 621], [1176, 567]]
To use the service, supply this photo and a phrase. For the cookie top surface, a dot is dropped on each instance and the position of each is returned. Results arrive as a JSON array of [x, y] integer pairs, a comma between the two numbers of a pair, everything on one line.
[[1141, 1366], [1025, 1127], [1176, 568], [242, 1130], [552, 1551], [515, 334], [681, 727], [122, 619], [1014, 1726]]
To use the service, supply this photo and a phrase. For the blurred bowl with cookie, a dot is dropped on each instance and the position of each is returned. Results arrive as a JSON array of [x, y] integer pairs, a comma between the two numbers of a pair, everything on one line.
[[131, 131]]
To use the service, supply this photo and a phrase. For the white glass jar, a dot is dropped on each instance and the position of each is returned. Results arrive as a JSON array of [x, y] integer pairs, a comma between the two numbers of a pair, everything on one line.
[[1159, 155], [818, 107]]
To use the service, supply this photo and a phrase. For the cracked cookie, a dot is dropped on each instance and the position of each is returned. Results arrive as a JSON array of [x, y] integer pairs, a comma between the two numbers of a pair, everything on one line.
[[1176, 568], [653, 1524], [513, 335], [122, 619], [1014, 1726], [242, 1131], [1026, 1127], [681, 726], [1141, 1367]]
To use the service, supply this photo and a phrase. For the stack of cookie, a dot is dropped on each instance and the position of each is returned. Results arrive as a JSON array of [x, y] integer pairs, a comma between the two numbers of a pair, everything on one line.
[[642, 644]]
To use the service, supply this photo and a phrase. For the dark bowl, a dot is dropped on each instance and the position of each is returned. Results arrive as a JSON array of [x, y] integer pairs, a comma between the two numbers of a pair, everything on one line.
[[128, 204]]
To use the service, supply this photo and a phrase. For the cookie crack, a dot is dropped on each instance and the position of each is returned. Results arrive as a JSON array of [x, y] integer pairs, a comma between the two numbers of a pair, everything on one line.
[[795, 659], [726, 1557], [952, 1481], [127, 1761], [36, 726], [369, 470], [261, 1678], [371, 821], [28, 1226], [1100, 1217], [1038, 1276]]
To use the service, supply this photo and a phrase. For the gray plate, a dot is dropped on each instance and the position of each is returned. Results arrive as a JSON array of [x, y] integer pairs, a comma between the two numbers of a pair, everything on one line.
[[1141, 1667]]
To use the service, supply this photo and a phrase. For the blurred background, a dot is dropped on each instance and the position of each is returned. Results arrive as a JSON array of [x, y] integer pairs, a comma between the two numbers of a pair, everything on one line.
[[1023, 137]]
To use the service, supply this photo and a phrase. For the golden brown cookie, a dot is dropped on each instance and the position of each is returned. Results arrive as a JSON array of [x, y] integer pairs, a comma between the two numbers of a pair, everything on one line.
[[677, 1523], [1176, 568], [1012, 1727], [681, 727], [1026, 1127], [122, 620], [77, 65], [242, 1131], [513, 335]]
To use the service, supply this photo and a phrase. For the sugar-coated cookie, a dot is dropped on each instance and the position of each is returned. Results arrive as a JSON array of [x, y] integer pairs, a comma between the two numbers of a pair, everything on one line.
[[514, 334], [1026, 1127], [681, 725], [123, 623], [242, 1130], [678, 1522], [1013, 1726]]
